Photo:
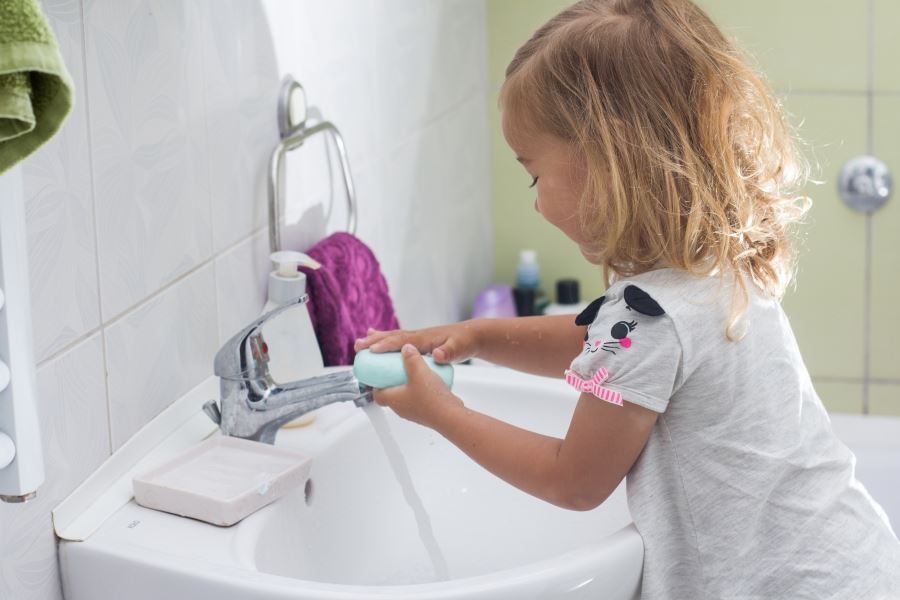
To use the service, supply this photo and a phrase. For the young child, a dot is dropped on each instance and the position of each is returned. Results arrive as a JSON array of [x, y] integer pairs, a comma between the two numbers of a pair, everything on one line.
[[656, 150]]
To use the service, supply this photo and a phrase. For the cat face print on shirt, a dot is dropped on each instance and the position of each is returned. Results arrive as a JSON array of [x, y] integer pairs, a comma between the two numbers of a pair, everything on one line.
[[612, 338]]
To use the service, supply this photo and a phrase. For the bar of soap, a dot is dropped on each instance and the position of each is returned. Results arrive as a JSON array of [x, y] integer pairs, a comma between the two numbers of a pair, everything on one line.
[[221, 480], [385, 369]]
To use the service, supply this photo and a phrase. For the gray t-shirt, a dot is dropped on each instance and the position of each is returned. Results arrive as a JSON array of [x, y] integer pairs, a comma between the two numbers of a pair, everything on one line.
[[743, 490]]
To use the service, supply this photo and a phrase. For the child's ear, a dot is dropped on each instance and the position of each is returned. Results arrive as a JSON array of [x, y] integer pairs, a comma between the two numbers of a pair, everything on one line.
[[641, 301], [587, 316]]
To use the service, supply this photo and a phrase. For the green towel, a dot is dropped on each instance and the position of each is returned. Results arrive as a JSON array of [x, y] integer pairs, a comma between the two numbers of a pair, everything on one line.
[[35, 87]]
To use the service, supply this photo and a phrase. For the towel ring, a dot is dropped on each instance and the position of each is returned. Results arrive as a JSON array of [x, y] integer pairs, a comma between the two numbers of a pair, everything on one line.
[[294, 132]]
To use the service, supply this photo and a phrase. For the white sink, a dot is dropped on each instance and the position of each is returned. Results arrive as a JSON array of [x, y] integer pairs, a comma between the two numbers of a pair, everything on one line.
[[350, 534]]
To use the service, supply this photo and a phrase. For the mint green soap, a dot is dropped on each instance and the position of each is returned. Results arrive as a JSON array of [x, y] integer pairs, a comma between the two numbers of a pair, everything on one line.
[[385, 369]]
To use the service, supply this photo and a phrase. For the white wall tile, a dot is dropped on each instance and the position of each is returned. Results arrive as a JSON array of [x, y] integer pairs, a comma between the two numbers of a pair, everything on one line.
[[311, 182], [343, 85], [406, 51], [149, 147], [28, 565], [439, 252], [241, 93], [242, 276], [75, 438], [59, 213], [430, 57], [159, 351], [373, 218], [73, 413], [329, 48], [467, 257]]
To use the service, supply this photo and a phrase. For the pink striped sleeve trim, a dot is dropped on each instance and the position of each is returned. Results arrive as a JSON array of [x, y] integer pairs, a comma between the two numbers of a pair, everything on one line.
[[608, 395], [593, 386]]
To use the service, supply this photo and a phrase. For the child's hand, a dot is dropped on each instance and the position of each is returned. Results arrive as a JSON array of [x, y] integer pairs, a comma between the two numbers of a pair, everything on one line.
[[425, 395], [447, 343]]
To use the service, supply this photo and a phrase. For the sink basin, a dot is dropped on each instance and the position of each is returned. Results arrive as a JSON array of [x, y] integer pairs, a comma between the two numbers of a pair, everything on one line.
[[350, 534]]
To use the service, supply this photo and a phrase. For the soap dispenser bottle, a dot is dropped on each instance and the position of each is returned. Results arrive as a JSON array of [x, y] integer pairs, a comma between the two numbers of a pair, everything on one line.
[[290, 335]]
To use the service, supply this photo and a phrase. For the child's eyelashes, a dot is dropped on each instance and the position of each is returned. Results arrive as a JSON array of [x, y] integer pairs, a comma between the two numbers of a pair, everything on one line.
[[533, 183]]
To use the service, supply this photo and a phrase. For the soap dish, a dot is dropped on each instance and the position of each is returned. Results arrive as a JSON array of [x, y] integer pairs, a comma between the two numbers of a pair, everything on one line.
[[221, 480]]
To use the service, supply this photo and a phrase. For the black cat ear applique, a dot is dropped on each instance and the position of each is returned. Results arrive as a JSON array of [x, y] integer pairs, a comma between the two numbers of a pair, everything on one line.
[[635, 297], [587, 316], [641, 301]]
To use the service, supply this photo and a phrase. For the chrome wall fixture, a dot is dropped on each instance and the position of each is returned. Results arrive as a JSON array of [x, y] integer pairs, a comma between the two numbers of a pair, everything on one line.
[[294, 132], [21, 452], [865, 183]]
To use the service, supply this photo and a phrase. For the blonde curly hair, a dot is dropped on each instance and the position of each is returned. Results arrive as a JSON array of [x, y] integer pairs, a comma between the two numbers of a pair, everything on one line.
[[688, 148]]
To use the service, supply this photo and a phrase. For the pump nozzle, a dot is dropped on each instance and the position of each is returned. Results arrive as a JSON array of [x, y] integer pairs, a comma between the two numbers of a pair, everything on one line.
[[287, 261]]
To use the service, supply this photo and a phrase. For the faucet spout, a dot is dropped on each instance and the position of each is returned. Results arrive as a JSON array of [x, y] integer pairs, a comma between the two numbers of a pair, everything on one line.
[[255, 416], [253, 405]]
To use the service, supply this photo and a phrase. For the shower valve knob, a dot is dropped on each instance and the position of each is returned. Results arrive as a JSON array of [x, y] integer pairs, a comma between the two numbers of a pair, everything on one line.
[[7, 450], [4, 376], [865, 183]]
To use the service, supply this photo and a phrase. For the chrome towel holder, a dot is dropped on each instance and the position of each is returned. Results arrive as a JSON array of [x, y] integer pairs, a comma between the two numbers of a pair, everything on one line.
[[294, 132]]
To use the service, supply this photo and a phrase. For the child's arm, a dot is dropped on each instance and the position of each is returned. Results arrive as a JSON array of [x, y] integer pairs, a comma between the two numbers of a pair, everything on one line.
[[541, 345], [577, 472]]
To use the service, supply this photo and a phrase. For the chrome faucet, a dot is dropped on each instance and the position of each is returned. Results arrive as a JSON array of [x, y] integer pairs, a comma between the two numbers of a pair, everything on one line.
[[253, 405]]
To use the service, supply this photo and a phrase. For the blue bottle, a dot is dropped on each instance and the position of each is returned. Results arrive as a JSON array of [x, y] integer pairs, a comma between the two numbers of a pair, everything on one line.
[[527, 271]]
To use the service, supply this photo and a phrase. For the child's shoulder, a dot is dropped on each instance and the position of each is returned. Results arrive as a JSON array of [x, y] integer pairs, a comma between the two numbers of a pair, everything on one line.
[[700, 308], [682, 295], [710, 313]]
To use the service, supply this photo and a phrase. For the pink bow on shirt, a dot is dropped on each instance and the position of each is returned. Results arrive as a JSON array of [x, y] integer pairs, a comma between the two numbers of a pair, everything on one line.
[[593, 386]]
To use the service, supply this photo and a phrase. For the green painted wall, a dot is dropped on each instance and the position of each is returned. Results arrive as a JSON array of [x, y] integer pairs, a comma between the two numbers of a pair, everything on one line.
[[834, 64], [516, 224]]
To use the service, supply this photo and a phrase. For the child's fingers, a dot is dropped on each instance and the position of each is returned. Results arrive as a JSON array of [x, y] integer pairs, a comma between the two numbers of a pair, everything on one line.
[[444, 354], [452, 349], [362, 343], [412, 362], [387, 397], [373, 337], [381, 397], [389, 343]]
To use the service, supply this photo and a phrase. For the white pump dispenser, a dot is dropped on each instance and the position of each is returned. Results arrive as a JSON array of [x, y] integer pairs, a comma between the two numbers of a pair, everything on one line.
[[290, 335]]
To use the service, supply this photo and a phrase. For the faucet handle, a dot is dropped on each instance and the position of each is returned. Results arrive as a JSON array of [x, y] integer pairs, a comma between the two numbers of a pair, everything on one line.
[[233, 361]]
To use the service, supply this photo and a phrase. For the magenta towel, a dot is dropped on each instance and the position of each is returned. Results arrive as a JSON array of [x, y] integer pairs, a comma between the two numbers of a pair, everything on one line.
[[347, 296]]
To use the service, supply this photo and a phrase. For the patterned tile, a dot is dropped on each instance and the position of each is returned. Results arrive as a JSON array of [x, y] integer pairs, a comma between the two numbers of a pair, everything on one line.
[[149, 147]]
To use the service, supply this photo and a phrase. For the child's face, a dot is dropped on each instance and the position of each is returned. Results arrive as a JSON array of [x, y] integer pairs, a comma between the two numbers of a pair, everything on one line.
[[559, 182]]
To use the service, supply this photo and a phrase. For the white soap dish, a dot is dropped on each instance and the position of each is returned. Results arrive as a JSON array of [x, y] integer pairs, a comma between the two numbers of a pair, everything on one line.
[[221, 480]]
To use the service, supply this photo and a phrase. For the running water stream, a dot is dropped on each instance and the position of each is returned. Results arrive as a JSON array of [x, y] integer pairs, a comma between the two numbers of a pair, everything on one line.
[[401, 472]]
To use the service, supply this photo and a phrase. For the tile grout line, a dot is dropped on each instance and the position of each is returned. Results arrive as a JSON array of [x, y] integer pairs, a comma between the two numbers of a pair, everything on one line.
[[101, 328], [90, 154], [209, 179], [870, 117]]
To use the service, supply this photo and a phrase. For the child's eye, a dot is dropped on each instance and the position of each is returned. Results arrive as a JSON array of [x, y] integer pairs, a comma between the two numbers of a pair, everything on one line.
[[533, 183]]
